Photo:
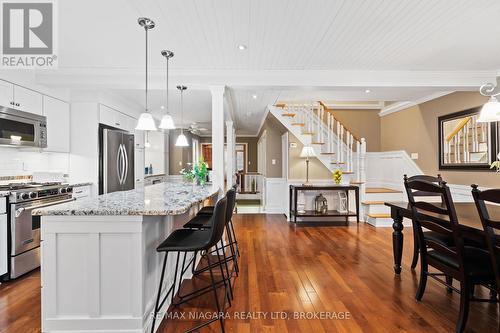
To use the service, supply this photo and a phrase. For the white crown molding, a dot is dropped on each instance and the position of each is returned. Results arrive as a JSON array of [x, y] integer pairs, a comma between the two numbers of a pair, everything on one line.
[[400, 106], [376, 105]]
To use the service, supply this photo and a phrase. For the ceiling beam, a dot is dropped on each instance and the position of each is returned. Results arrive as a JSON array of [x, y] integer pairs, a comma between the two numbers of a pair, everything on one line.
[[276, 79]]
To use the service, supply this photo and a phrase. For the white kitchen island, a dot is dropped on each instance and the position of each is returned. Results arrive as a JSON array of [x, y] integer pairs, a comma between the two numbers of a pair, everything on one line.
[[100, 269]]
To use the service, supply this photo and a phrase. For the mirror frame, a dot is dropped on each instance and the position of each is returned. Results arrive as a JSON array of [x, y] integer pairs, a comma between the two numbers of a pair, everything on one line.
[[492, 144]]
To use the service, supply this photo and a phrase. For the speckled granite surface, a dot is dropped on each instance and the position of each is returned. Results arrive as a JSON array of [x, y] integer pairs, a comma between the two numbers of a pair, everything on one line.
[[159, 199]]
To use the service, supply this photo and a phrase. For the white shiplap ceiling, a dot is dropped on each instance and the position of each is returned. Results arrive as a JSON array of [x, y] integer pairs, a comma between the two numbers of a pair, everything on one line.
[[292, 45]]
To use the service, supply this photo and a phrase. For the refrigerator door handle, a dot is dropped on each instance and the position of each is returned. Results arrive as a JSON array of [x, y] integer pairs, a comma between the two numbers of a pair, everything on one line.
[[125, 159], [118, 163]]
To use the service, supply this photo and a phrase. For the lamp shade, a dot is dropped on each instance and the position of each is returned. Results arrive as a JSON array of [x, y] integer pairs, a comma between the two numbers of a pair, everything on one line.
[[307, 151], [490, 111], [146, 122], [181, 141], [167, 122]]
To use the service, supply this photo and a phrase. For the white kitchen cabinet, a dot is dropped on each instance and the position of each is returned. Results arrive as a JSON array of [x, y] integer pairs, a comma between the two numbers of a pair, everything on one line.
[[58, 124], [3, 244], [113, 118], [6, 94], [27, 100], [139, 166], [139, 139]]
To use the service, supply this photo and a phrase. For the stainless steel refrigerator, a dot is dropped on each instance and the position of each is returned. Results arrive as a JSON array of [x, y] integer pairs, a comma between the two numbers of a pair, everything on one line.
[[116, 167]]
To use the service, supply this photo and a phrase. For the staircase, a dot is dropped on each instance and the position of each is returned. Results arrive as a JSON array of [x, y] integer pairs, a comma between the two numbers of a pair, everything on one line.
[[337, 148]]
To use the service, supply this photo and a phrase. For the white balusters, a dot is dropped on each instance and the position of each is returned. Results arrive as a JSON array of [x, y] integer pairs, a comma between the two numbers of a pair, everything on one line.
[[341, 157], [358, 160]]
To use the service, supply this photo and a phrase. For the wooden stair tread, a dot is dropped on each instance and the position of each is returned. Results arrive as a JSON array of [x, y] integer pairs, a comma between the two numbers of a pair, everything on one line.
[[381, 190], [288, 114], [356, 183], [280, 105], [298, 124], [337, 162], [325, 153], [373, 202], [317, 143], [380, 216], [347, 172], [308, 133]]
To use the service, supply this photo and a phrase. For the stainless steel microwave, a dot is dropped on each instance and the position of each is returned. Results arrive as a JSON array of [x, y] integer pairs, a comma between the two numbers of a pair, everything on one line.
[[18, 128]]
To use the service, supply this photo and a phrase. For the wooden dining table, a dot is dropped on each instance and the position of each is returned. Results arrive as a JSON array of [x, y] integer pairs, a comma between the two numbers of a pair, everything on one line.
[[467, 215]]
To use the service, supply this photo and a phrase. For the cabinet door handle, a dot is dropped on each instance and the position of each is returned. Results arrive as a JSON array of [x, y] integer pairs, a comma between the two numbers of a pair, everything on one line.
[[17, 104], [11, 103]]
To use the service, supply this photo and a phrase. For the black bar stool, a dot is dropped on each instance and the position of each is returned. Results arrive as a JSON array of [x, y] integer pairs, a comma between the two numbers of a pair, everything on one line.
[[208, 211], [202, 221], [191, 240]]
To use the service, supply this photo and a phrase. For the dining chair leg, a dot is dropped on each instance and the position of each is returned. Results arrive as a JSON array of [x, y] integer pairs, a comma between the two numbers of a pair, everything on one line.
[[449, 281], [423, 279], [465, 291], [416, 252]]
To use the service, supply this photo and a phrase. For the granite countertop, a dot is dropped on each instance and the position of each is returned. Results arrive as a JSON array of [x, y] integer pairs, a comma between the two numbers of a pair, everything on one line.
[[159, 199]]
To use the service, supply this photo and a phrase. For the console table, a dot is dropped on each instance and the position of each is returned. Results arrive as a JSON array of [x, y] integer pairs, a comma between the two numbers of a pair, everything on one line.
[[294, 189]]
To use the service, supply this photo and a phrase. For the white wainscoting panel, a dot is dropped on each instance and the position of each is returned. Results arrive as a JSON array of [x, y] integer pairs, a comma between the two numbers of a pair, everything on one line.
[[275, 195]]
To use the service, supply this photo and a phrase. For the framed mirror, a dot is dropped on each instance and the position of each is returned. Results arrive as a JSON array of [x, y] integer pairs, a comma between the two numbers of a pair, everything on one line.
[[466, 144]]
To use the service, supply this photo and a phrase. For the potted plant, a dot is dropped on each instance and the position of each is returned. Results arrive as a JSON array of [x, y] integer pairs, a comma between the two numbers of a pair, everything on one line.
[[198, 173]]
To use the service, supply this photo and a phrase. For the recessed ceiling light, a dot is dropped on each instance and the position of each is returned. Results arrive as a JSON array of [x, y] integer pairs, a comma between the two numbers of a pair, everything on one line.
[[242, 47], [368, 91], [162, 107], [254, 96]]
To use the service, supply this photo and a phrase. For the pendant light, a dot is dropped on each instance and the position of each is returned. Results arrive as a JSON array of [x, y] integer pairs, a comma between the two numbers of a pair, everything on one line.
[[490, 111], [166, 121], [146, 121], [181, 139]]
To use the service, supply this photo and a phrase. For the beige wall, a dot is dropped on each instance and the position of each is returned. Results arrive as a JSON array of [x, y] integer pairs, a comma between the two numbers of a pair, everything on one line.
[[251, 151], [415, 130], [184, 155], [297, 164], [362, 123], [274, 130]]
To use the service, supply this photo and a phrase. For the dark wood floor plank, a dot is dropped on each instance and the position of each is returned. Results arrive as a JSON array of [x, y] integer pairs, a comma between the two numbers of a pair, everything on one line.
[[291, 269]]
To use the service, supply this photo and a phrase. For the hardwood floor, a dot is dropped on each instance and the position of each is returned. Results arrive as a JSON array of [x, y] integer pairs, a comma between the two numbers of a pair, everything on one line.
[[328, 271]]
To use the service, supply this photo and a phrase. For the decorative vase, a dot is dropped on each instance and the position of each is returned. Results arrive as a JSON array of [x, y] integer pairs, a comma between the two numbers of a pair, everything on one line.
[[337, 176]]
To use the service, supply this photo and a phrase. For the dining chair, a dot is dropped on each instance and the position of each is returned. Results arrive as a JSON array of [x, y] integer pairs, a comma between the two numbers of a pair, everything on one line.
[[491, 226], [429, 234], [469, 265]]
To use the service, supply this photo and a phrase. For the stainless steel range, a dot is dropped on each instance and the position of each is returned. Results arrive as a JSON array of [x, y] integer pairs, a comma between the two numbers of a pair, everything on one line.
[[24, 241]]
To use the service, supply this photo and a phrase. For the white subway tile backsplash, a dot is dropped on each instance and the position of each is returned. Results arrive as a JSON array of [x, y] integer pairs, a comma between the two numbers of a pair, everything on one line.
[[15, 161]]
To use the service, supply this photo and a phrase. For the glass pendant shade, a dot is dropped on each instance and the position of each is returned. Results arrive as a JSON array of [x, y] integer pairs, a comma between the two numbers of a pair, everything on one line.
[[490, 111], [181, 141], [167, 122], [146, 122]]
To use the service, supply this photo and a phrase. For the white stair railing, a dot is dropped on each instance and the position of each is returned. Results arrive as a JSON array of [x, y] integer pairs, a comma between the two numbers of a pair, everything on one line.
[[329, 137]]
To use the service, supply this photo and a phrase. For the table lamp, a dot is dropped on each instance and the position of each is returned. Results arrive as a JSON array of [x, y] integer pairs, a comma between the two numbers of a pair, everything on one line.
[[307, 151]]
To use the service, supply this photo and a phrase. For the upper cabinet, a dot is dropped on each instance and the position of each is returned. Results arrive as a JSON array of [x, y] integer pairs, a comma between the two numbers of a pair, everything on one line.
[[17, 97], [113, 118], [27, 100], [58, 124]]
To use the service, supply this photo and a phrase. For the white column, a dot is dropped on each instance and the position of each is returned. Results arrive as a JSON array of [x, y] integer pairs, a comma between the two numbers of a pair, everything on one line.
[[218, 136], [230, 158]]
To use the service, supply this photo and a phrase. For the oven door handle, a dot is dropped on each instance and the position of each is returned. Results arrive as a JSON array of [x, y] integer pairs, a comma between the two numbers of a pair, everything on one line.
[[19, 211]]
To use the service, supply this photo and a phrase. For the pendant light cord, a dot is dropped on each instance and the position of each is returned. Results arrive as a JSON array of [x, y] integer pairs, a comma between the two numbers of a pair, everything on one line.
[[166, 106], [182, 110], [147, 109]]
